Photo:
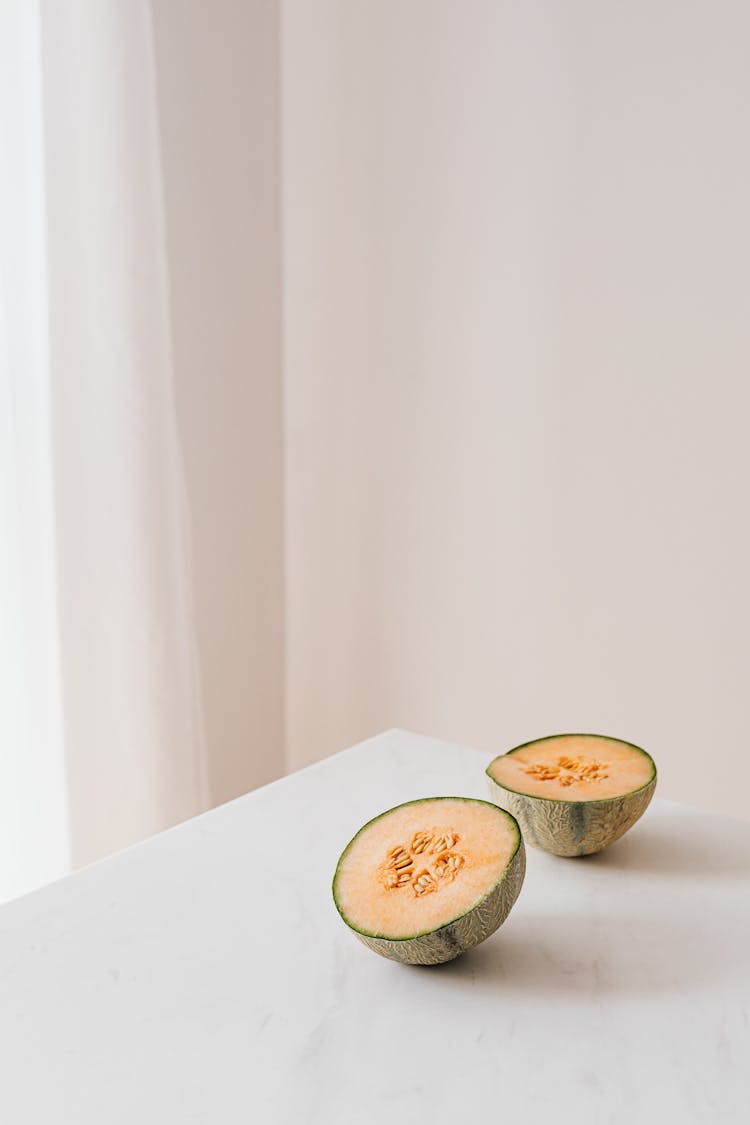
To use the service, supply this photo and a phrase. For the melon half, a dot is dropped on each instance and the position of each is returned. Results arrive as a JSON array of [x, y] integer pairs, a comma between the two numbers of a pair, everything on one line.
[[427, 880], [573, 794]]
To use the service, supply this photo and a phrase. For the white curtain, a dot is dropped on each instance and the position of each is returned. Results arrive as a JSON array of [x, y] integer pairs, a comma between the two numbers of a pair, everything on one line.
[[34, 838], [102, 740]]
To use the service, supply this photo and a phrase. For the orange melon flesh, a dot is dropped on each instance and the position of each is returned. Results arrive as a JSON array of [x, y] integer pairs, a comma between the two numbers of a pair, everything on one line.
[[422, 865], [574, 767]]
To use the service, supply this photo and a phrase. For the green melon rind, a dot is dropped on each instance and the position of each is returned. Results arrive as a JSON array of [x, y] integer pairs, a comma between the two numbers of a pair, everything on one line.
[[572, 828], [467, 930]]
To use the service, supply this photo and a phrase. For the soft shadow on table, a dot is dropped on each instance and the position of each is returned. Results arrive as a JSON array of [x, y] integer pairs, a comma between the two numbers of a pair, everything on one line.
[[549, 954], [689, 849]]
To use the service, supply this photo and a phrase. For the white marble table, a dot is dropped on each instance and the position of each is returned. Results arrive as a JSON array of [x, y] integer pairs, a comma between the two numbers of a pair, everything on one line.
[[205, 976]]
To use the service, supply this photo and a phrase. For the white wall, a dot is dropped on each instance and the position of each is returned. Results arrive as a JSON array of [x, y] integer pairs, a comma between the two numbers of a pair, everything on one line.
[[516, 263]]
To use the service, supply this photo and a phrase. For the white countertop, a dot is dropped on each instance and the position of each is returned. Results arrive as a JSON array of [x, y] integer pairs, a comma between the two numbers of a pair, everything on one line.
[[205, 976]]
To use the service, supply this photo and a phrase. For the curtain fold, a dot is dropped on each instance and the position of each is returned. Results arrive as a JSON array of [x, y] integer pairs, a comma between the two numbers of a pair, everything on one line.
[[141, 421], [34, 838], [134, 746]]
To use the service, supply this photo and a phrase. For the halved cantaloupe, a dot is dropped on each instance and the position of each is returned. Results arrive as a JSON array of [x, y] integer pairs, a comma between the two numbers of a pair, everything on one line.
[[573, 794], [427, 880]]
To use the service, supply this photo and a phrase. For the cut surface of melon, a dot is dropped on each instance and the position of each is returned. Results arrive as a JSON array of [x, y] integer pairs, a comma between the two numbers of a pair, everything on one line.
[[411, 879], [573, 794], [574, 767]]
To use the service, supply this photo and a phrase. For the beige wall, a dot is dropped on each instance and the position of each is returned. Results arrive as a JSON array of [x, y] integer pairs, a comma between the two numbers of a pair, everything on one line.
[[516, 261], [218, 85]]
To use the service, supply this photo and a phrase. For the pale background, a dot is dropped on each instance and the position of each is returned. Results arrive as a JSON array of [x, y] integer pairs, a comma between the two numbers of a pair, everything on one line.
[[516, 355], [506, 299], [365, 364]]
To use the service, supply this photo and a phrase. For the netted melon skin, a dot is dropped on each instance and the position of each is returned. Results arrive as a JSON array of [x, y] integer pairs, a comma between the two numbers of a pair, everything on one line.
[[465, 933], [572, 828]]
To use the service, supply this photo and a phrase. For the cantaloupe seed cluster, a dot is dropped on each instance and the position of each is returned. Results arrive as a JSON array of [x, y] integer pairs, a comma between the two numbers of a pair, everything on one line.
[[567, 770], [427, 864]]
